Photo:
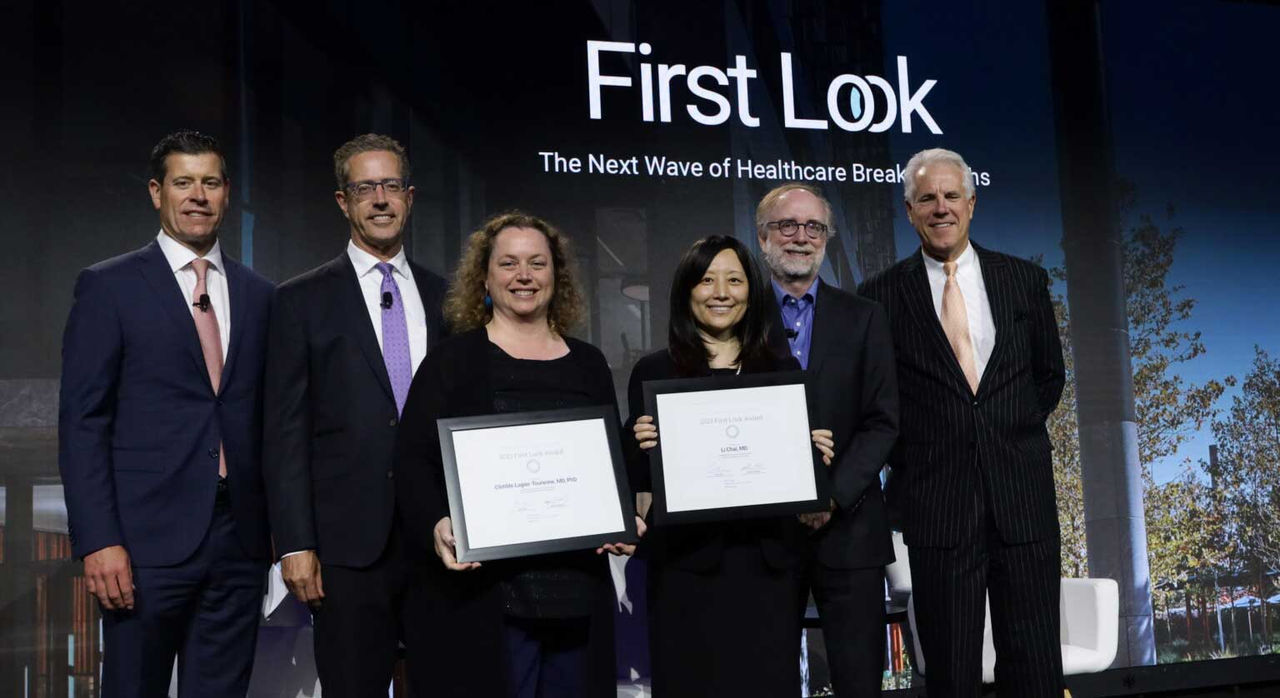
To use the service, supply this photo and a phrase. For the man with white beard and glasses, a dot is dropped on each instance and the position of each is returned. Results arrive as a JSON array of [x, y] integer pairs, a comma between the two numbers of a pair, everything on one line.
[[845, 341]]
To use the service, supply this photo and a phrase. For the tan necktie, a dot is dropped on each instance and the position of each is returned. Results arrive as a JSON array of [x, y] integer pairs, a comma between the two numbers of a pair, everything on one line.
[[210, 338], [955, 323]]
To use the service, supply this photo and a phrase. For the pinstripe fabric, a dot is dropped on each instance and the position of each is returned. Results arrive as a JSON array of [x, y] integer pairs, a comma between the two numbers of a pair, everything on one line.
[[972, 478], [943, 427], [1023, 584]]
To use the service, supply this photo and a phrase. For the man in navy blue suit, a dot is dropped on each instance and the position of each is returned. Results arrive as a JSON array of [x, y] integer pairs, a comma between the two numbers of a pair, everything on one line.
[[159, 429]]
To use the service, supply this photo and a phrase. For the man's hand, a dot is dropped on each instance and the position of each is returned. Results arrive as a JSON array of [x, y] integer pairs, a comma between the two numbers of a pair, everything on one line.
[[817, 519], [445, 547], [301, 572], [110, 578]]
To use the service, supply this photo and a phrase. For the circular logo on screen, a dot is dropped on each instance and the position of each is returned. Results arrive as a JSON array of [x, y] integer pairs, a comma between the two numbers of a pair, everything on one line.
[[533, 466], [732, 431]]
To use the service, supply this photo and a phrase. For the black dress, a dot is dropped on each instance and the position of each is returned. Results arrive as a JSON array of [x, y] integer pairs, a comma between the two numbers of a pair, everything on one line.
[[722, 596], [456, 645]]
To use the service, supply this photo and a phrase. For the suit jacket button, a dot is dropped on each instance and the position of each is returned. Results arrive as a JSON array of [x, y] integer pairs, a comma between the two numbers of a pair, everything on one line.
[[392, 422], [213, 453], [390, 474], [975, 403]]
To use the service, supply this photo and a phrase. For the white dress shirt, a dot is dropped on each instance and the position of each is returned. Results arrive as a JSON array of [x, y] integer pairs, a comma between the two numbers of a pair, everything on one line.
[[179, 258], [415, 316], [982, 328]]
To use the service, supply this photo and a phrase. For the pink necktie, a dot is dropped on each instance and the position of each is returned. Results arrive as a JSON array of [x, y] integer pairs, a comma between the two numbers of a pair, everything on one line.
[[210, 338], [955, 323]]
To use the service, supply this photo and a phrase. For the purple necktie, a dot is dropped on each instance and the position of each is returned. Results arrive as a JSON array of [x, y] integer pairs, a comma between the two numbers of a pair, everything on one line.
[[395, 339]]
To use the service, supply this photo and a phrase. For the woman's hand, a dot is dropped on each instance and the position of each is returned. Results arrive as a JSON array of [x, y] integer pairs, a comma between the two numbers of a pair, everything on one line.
[[644, 500], [445, 547], [624, 548], [822, 440], [647, 432]]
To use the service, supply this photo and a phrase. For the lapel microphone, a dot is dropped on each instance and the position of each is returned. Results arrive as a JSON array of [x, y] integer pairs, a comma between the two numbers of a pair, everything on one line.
[[203, 304], [791, 334], [386, 300]]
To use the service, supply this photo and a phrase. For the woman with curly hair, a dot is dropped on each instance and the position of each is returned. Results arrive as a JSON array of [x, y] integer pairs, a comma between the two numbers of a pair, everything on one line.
[[546, 621]]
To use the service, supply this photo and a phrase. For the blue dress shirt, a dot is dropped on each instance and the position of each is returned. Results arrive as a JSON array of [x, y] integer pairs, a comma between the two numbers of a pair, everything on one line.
[[797, 319]]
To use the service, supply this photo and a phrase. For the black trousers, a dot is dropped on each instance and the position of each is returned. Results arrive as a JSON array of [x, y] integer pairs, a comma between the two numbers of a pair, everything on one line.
[[1023, 583], [731, 631], [359, 625], [548, 657], [204, 610], [851, 608]]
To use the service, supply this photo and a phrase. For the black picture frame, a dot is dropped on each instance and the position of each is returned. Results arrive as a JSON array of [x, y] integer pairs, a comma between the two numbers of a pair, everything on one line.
[[607, 415], [661, 515]]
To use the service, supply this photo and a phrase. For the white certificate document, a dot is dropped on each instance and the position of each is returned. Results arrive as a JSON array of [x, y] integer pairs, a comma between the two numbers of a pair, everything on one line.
[[735, 447], [536, 482]]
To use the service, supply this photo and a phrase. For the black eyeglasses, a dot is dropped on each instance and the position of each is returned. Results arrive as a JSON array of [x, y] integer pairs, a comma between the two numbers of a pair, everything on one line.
[[393, 186], [789, 228]]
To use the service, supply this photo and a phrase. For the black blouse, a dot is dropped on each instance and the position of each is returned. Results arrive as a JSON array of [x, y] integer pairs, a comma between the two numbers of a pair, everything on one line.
[[698, 547], [546, 586], [468, 375]]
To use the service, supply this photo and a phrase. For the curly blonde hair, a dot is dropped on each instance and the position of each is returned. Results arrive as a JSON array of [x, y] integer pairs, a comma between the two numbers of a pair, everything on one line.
[[464, 306]]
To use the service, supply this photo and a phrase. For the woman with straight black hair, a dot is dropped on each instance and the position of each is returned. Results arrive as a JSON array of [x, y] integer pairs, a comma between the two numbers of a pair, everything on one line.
[[687, 339], [722, 596]]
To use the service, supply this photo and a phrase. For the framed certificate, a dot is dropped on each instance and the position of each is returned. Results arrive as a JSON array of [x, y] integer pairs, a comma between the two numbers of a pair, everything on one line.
[[733, 447], [528, 483]]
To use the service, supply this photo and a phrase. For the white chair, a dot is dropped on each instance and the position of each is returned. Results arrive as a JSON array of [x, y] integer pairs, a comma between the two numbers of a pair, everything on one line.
[[899, 572], [1090, 616], [1090, 624]]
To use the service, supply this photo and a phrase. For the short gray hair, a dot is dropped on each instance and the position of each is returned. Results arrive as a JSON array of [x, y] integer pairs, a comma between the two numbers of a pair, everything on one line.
[[928, 157], [367, 143]]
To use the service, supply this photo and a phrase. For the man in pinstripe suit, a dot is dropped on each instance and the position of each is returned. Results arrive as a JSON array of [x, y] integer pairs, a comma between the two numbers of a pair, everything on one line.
[[979, 370]]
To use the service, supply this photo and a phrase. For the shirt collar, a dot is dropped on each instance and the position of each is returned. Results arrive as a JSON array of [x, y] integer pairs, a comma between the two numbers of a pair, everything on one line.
[[780, 295], [365, 263], [964, 263], [179, 256]]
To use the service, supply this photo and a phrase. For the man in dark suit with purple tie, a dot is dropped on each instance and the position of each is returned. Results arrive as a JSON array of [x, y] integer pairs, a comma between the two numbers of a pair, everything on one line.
[[979, 370], [345, 340], [159, 427]]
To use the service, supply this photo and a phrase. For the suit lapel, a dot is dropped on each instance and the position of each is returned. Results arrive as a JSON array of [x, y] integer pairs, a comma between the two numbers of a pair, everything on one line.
[[236, 280], [354, 312], [155, 269], [919, 299], [823, 330], [996, 282]]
